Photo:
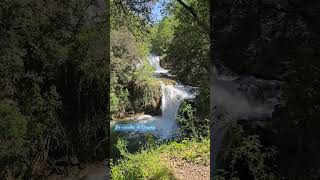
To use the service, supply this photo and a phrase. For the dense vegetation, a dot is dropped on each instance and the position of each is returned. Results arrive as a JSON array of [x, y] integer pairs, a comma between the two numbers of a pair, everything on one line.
[[277, 40], [53, 85], [169, 40], [133, 90], [151, 161], [184, 48], [134, 38], [55, 80], [265, 39]]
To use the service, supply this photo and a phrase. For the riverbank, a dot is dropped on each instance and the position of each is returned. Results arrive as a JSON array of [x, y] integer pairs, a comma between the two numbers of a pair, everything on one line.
[[174, 160], [131, 117], [97, 170]]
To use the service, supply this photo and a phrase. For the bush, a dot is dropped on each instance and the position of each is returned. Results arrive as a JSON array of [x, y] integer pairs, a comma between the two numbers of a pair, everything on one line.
[[13, 129], [150, 161], [145, 93], [191, 125], [195, 151], [132, 84], [144, 165], [119, 102], [247, 158]]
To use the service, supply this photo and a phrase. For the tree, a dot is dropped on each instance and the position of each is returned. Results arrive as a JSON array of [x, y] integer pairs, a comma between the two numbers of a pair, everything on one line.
[[272, 40], [162, 34], [55, 71]]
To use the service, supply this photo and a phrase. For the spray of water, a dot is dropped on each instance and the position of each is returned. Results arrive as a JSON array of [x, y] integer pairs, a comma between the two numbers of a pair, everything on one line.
[[246, 97], [236, 97], [155, 62], [172, 97]]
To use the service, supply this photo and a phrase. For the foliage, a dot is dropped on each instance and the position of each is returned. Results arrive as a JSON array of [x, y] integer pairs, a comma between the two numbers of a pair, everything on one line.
[[192, 150], [187, 54], [184, 46], [145, 165], [41, 108], [122, 147], [132, 84], [247, 158], [185, 49], [192, 126], [162, 34], [124, 56], [136, 21], [133, 89], [275, 40], [131, 14], [297, 121], [149, 162], [145, 90], [55, 72], [13, 131]]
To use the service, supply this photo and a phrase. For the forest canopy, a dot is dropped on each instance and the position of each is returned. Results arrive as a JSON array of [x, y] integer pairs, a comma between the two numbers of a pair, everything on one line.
[[70, 68], [54, 82]]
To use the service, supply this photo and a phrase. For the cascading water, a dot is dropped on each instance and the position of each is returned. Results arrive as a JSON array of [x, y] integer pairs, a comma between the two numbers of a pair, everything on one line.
[[172, 97], [164, 126], [244, 97], [155, 62], [236, 97]]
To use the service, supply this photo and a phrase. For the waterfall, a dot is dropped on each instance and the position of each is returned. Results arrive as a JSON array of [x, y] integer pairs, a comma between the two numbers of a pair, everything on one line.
[[155, 62], [244, 97], [172, 97], [235, 97], [164, 126]]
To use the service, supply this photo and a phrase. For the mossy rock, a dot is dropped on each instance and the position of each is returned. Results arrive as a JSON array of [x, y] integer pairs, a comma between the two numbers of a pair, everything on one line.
[[168, 81], [146, 97]]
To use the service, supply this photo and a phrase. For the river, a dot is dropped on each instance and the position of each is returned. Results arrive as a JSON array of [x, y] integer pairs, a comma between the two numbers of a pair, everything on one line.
[[162, 127], [235, 98]]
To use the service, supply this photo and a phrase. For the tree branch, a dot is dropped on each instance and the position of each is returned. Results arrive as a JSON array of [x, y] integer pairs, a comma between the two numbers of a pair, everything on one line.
[[194, 14]]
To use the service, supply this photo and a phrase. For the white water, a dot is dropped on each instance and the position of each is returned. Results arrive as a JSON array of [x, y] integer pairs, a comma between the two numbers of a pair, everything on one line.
[[172, 97], [155, 62], [243, 97], [236, 97]]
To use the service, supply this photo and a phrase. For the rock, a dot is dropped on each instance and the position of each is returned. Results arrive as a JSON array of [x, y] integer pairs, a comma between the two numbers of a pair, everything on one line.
[[150, 104]]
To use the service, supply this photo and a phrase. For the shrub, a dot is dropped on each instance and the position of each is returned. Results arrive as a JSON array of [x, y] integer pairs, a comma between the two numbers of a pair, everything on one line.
[[247, 158], [190, 124], [147, 164], [13, 129]]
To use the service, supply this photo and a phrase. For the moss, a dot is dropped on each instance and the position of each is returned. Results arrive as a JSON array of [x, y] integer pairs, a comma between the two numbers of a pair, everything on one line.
[[168, 81], [146, 96]]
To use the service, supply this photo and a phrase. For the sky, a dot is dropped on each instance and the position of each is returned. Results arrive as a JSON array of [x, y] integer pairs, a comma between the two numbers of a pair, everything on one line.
[[156, 11]]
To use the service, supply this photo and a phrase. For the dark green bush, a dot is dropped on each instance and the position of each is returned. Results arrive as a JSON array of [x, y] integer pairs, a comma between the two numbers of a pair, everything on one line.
[[191, 124], [13, 131]]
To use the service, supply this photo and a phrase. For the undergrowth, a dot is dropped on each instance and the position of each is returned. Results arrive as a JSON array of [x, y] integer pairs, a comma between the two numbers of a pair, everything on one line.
[[149, 162]]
